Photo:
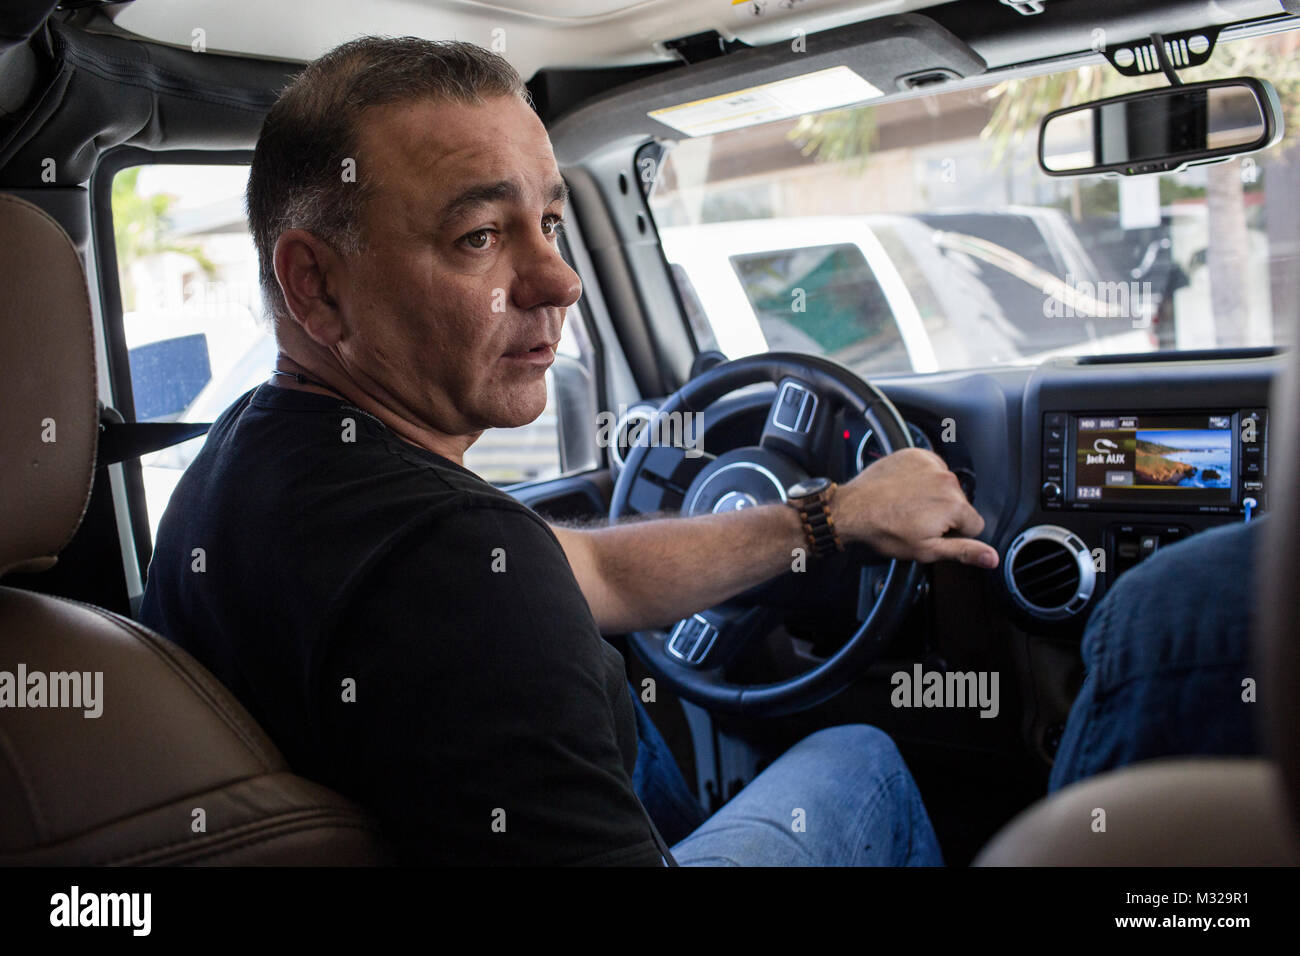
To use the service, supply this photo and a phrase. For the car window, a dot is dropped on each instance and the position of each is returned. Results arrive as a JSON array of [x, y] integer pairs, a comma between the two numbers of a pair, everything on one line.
[[195, 329], [998, 262], [825, 300]]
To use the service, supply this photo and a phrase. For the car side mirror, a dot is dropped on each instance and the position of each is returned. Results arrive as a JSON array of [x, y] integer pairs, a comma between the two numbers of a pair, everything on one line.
[[1161, 130]]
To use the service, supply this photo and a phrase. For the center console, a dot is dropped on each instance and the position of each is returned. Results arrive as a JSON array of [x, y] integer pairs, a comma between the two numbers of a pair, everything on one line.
[[1126, 482]]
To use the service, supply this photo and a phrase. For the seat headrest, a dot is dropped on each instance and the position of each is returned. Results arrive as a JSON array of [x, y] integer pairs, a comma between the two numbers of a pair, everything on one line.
[[49, 418], [1276, 593]]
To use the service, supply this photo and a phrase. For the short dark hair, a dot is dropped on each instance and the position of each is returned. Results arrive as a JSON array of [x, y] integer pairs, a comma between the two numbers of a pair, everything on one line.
[[297, 181]]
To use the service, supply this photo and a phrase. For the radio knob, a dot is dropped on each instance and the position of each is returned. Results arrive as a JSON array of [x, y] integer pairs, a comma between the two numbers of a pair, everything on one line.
[[1051, 491]]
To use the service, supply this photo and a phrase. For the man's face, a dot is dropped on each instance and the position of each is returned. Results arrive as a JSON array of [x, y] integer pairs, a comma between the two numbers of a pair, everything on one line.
[[455, 308]]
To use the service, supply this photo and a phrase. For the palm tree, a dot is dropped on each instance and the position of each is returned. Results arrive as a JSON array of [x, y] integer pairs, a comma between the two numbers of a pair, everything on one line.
[[837, 136], [142, 228]]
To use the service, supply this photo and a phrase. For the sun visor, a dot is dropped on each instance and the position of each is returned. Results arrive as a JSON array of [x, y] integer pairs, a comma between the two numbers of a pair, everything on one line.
[[841, 67], [98, 91]]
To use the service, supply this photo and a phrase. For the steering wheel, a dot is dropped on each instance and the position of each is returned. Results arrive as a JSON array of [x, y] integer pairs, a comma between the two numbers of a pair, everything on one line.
[[795, 444]]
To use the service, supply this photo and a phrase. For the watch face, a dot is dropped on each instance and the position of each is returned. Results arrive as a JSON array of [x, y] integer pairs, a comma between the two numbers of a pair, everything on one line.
[[809, 487]]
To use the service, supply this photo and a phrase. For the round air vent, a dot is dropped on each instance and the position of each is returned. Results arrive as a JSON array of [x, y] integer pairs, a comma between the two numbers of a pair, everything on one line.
[[1049, 572], [627, 429]]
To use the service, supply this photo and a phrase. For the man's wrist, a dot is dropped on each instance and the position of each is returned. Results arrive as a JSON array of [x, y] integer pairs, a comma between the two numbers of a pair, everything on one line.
[[811, 501]]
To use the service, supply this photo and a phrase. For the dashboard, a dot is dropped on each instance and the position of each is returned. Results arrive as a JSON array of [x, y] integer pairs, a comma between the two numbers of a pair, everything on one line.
[[861, 447], [1081, 468]]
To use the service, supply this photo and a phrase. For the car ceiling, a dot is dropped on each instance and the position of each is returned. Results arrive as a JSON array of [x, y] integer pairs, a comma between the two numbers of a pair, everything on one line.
[[551, 34], [532, 34]]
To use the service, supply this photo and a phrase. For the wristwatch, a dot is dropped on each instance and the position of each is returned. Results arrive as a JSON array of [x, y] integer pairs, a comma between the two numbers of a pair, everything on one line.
[[811, 498]]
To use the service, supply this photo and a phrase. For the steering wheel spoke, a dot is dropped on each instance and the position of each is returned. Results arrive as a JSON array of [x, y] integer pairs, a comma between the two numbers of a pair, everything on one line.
[[661, 481]]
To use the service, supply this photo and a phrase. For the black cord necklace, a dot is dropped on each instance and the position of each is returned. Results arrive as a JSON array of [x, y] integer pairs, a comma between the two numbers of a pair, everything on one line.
[[304, 380]]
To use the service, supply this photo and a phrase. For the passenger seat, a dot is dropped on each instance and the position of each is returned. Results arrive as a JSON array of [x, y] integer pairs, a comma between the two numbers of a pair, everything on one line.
[[172, 769]]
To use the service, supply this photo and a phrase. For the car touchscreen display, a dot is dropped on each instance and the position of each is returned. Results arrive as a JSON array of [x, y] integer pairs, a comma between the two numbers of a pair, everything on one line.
[[1172, 459]]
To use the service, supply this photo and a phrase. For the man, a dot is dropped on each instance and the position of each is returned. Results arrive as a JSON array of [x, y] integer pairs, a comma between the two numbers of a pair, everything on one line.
[[406, 632], [1168, 658]]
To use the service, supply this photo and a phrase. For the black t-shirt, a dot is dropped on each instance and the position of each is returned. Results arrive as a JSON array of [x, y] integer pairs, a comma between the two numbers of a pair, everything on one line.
[[405, 632]]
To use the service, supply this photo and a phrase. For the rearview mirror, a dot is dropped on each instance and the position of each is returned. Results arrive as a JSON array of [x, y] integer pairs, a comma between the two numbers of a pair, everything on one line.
[[1161, 130]]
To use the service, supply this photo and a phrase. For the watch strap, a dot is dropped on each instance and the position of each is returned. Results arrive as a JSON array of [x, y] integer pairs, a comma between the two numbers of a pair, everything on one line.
[[818, 522]]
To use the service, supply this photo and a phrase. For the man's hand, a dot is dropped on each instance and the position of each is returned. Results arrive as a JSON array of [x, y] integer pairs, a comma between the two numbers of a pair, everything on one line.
[[903, 506]]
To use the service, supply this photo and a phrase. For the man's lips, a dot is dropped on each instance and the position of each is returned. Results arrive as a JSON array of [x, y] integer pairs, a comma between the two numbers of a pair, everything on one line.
[[541, 354]]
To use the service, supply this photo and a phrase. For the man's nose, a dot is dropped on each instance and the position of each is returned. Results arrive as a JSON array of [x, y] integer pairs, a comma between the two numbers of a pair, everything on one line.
[[545, 279]]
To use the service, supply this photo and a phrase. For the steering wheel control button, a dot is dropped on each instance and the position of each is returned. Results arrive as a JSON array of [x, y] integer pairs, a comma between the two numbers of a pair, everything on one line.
[[794, 408], [692, 639]]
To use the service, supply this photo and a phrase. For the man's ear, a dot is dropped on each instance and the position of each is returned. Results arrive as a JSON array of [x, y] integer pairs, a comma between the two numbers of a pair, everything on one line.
[[307, 270]]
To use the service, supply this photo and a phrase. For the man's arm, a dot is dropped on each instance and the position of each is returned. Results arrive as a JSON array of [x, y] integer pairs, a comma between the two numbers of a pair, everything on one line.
[[651, 573]]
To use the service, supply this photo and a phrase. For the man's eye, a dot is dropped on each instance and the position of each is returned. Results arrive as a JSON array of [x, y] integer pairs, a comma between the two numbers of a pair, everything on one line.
[[479, 239], [553, 225]]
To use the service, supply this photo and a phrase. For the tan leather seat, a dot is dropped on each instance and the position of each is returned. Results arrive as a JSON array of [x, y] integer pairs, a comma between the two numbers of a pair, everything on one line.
[[173, 770], [1177, 812], [1202, 812]]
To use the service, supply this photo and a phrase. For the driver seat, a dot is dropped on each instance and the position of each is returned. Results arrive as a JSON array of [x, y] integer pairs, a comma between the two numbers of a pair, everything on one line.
[[172, 769], [1201, 811]]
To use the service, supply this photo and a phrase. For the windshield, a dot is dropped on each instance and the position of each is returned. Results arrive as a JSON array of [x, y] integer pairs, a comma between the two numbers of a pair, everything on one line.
[[921, 235]]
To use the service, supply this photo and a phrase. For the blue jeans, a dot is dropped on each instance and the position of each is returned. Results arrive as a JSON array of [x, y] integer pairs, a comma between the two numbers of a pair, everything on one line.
[[839, 797], [659, 783], [1166, 653]]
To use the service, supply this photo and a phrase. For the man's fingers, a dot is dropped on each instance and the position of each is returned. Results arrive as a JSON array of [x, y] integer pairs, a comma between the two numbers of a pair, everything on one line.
[[968, 521], [966, 550]]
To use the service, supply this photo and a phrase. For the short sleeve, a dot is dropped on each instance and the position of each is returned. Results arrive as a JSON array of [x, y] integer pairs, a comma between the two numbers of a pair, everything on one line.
[[465, 699]]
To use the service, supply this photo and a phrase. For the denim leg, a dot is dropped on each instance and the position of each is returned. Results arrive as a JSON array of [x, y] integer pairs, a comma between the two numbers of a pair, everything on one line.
[[659, 783], [1166, 653], [839, 797]]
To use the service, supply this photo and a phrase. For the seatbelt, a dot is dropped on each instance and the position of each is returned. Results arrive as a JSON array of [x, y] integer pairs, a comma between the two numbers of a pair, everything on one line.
[[121, 441], [654, 831]]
